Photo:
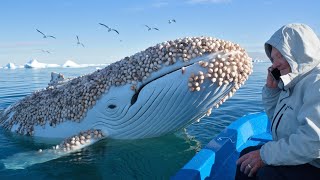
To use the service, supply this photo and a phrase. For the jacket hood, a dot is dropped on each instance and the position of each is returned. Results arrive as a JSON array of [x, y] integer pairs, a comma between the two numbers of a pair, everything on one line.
[[300, 46]]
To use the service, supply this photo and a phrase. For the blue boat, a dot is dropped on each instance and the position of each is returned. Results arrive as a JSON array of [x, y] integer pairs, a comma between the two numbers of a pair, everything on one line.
[[217, 160]]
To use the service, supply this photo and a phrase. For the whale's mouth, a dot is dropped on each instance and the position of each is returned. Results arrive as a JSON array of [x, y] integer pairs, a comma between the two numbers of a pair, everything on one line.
[[137, 92]]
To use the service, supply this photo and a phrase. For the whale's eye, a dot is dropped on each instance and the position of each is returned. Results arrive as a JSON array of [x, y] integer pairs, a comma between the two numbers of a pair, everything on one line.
[[112, 106]]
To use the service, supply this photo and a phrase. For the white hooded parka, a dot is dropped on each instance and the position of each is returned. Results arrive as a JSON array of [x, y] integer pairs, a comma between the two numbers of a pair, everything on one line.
[[294, 107]]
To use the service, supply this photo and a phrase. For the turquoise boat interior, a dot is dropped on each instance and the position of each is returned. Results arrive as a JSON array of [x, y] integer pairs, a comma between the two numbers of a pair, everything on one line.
[[217, 160]]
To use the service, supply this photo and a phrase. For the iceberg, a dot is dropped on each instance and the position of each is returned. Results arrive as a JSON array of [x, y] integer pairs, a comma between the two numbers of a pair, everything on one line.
[[71, 64], [35, 64], [10, 66], [53, 65]]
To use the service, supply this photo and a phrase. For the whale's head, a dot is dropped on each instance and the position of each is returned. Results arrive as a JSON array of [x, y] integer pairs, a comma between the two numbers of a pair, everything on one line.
[[151, 93]]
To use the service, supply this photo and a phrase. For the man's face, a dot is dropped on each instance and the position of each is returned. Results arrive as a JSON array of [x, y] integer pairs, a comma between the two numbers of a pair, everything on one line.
[[280, 62]]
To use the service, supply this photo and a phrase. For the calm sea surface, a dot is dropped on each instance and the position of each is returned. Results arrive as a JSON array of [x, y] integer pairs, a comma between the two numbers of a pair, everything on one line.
[[155, 158]]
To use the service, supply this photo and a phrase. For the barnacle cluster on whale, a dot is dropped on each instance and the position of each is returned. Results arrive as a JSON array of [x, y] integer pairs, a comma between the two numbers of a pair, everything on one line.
[[70, 100]]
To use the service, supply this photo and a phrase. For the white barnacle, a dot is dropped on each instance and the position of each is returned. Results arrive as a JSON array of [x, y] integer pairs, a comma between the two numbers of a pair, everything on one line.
[[209, 112]]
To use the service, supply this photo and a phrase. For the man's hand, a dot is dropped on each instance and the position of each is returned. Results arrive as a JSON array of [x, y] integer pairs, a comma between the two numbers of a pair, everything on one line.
[[250, 163]]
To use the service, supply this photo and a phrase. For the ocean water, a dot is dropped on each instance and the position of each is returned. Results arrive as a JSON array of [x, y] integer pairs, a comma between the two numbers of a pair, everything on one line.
[[154, 158]]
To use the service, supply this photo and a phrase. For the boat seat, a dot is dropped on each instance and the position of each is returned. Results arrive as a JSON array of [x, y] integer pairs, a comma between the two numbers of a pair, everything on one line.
[[263, 137]]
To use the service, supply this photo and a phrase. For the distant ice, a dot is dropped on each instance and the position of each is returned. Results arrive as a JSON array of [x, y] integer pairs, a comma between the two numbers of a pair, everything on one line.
[[71, 64], [53, 65], [34, 64], [259, 61], [10, 66]]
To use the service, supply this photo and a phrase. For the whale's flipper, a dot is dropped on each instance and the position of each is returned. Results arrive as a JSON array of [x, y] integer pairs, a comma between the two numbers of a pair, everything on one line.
[[72, 144]]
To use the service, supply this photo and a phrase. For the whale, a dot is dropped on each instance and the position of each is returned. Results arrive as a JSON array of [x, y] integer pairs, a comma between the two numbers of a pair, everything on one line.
[[155, 92]]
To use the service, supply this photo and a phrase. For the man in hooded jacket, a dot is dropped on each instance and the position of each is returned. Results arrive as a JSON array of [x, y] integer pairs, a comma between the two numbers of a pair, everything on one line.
[[292, 104]]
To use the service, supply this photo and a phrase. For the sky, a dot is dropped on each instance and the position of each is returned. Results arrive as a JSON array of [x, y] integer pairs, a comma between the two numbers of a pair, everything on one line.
[[247, 22]]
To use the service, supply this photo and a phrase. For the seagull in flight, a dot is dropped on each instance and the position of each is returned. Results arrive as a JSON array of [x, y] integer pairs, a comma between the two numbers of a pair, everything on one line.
[[45, 36], [109, 29], [44, 51], [172, 21], [78, 42], [149, 28]]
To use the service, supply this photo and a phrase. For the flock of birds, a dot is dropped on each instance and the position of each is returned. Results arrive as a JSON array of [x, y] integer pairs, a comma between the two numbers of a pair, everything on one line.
[[108, 28]]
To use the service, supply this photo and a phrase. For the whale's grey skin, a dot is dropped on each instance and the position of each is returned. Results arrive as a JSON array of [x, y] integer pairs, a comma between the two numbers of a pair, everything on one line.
[[159, 104]]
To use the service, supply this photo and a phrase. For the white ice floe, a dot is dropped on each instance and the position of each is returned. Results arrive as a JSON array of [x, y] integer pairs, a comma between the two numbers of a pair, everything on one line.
[[10, 66], [35, 64], [71, 64], [53, 65], [259, 61]]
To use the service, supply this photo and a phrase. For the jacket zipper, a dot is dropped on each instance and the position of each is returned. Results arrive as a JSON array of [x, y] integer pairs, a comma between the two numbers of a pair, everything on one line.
[[275, 131], [277, 116]]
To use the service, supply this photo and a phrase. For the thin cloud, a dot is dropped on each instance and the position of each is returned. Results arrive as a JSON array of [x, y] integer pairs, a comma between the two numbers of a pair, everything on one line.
[[208, 1], [159, 4]]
